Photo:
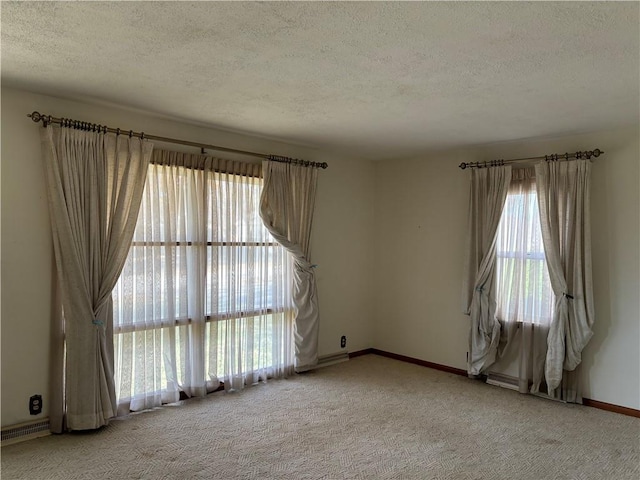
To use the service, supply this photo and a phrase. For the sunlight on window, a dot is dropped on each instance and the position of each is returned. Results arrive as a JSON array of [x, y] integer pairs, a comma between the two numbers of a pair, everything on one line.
[[524, 291], [205, 294]]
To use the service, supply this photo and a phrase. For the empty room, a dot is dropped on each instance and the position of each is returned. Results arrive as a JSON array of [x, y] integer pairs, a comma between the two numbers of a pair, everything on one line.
[[320, 240]]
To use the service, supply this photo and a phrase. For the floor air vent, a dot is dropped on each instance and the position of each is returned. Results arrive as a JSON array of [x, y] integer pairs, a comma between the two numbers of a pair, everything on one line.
[[25, 431]]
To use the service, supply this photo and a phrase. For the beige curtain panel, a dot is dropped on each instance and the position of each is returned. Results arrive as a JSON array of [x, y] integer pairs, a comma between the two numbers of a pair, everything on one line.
[[489, 187], [564, 197], [286, 208], [94, 183]]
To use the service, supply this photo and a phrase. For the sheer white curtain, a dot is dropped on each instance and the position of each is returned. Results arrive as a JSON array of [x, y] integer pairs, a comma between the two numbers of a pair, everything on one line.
[[523, 289], [205, 295]]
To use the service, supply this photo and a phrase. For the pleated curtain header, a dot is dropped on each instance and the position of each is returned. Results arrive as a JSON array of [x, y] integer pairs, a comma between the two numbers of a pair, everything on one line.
[[206, 162]]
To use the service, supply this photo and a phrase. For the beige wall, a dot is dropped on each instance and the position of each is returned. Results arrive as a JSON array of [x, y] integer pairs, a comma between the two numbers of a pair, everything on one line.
[[421, 218], [393, 284], [341, 243]]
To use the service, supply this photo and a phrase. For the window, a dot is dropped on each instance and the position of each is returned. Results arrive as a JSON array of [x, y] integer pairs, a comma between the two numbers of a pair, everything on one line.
[[524, 291], [204, 296]]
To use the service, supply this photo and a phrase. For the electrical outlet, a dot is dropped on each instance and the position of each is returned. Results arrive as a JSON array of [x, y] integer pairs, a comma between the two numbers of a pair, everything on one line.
[[343, 341], [35, 404]]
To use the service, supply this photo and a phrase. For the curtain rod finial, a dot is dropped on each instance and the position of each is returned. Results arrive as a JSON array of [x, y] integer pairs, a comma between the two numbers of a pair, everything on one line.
[[462, 165], [35, 116]]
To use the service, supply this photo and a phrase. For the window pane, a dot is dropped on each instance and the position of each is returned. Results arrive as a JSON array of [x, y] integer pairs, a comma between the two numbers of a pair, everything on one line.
[[523, 287], [205, 293], [244, 279]]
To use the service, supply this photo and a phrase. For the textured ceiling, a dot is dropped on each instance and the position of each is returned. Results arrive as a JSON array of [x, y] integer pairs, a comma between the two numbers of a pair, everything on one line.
[[377, 80]]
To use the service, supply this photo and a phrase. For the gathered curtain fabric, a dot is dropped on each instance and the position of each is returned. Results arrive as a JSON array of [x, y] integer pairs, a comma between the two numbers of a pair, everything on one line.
[[564, 200], [286, 208], [489, 189], [204, 298], [94, 186]]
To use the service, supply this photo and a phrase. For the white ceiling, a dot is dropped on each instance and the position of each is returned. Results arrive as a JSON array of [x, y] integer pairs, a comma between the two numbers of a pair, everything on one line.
[[376, 80]]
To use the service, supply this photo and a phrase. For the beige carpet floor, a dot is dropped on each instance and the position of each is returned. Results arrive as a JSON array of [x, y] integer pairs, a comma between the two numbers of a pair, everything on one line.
[[369, 418]]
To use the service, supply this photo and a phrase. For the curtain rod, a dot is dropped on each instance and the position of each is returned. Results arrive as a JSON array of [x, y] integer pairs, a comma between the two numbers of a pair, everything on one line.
[[80, 125], [549, 158]]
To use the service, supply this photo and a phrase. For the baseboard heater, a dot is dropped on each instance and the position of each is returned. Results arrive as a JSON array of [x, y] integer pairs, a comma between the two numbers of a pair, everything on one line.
[[504, 381], [327, 360], [25, 431], [332, 359]]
